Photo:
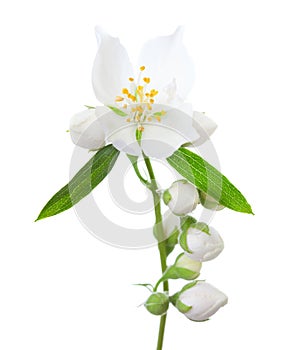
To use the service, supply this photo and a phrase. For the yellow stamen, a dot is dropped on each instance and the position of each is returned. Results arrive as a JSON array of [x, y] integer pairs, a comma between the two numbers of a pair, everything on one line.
[[131, 79], [149, 107], [163, 112], [150, 119], [139, 109], [124, 106], [125, 91], [142, 68], [119, 99], [153, 92], [152, 101], [133, 98], [140, 88], [138, 118], [128, 120], [140, 128], [158, 118], [147, 80]]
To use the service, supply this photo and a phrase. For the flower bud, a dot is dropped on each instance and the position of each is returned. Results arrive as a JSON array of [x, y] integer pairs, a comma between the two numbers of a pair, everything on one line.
[[183, 267], [209, 202], [186, 263], [157, 304], [86, 130], [182, 197], [201, 243], [200, 300]]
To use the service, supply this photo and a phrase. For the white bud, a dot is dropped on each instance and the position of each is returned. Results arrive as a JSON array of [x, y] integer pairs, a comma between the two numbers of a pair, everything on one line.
[[182, 197], [86, 130], [170, 223], [201, 244], [201, 301], [209, 202], [184, 262]]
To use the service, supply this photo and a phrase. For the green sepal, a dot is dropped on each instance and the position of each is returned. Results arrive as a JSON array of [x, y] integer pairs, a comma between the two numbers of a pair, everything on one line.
[[201, 226], [183, 242], [167, 197], [148, 286], [118, 111], [173, 272], [182, 307], [186, 222]]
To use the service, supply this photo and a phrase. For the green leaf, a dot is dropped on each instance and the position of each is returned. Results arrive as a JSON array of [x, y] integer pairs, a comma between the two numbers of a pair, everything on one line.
[[208, 179], [117, 111], [90, 175]]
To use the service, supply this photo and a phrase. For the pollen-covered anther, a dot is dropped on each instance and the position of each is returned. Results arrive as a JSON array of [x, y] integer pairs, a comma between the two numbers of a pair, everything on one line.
[[128, 120], [132, 97], [147, 80], [125, 91], [153, 92], [124, 106], [150, 119], [152, 101], [142, 68], [158, 118], [131, 79], [119, 99], [140, 128]]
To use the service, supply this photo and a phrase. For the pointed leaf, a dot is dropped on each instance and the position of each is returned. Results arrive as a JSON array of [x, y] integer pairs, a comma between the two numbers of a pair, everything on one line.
[[90, 175], [208, 179]]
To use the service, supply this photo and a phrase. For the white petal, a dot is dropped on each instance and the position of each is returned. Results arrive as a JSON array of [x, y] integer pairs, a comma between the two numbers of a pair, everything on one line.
[[86, 130], [166, 58], [205, 127], [111, 68], [159, 141], [120, 133], [205, 300]]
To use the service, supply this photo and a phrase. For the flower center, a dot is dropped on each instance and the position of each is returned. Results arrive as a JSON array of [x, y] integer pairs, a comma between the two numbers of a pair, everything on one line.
[[137, 101]]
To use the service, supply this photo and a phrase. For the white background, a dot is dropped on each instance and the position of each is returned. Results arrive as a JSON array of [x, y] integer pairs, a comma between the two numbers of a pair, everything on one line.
[[63, 289]]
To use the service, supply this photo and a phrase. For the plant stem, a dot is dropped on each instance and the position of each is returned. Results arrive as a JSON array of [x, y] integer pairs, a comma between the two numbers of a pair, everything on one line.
[[161, 243]]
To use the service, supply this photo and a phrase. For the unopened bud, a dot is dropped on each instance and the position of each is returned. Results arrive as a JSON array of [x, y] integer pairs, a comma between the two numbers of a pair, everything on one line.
[[182, 197], [157, 304]]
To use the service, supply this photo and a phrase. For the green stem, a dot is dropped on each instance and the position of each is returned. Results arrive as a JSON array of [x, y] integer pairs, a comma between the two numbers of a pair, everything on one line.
[[159, 231]]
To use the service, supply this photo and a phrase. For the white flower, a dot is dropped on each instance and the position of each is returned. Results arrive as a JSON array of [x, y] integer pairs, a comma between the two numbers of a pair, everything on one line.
[[86, 130], [146, 111], [182, 197], [201, 243], [203, 300]]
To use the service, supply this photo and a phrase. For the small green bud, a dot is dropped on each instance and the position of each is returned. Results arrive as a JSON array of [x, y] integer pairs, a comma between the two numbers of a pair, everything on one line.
[[157, 304]]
